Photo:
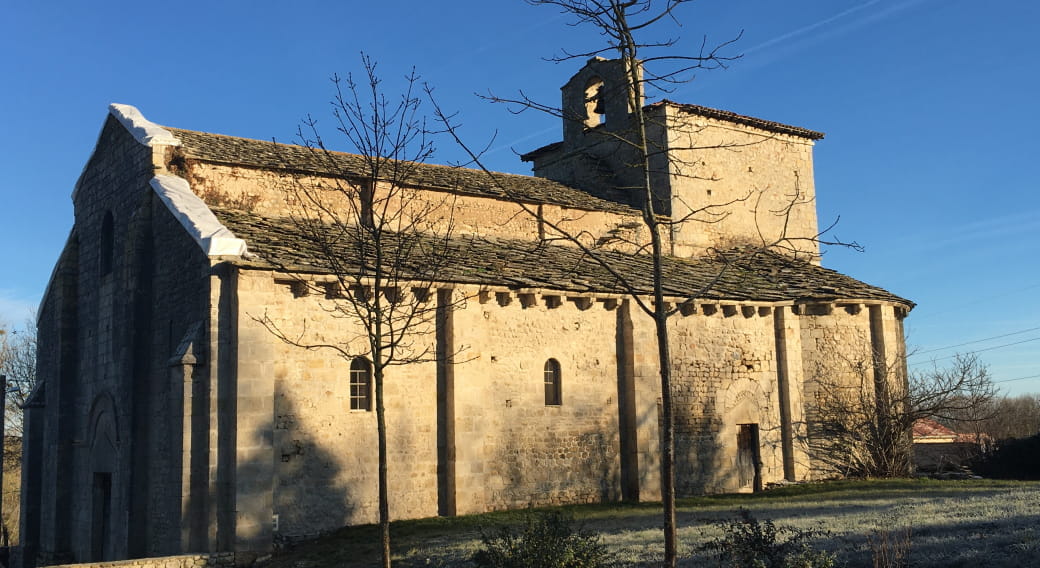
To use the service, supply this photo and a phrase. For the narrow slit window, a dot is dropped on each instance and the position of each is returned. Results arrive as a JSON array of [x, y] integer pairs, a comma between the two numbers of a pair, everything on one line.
[[107, 244], [553, 390]]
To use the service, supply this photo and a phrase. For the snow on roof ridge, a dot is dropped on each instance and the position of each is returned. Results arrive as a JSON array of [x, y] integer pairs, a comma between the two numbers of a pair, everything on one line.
[[143, 130], [213, 237]]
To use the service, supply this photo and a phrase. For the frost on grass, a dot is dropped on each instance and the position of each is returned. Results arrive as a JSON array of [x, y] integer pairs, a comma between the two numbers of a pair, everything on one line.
[[970, 524]]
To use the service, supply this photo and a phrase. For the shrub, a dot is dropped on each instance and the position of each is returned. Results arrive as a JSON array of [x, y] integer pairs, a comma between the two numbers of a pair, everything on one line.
[[1013, 459], [547, 540], [890, 548], [748, 543]]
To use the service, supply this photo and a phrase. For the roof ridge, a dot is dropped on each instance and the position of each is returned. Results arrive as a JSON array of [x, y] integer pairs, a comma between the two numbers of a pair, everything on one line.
[[747, 120], [343, 153]]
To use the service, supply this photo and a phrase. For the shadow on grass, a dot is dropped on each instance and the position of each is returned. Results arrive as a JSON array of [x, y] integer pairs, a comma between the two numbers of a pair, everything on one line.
[[978, 534]]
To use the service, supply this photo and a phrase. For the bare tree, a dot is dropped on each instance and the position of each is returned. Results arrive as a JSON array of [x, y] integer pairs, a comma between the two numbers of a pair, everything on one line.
[[1003, 418], [18, 364], [379, 242], [862, 418], [648, 63]]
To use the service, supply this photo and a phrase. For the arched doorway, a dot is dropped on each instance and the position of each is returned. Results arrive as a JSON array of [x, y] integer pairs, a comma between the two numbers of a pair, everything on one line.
[[104, 460], [744, 410]]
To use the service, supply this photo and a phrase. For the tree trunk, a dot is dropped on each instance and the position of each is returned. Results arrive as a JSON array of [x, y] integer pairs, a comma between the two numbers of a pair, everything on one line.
[[384, 499], [667, 436]]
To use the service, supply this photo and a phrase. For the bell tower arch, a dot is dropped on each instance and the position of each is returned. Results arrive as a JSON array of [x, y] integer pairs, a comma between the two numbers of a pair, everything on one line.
[[596, 97]]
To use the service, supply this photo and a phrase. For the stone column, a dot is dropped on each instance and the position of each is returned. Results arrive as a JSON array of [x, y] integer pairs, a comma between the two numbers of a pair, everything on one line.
[[445, 403], [783, 379], [187, 378], [246, 427], [647, 384], [627, 423]]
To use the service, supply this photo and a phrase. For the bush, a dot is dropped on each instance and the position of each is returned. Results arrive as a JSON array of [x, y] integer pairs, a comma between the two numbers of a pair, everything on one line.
[[890, 548], [748, 543], [547, 540], [1013, 459]]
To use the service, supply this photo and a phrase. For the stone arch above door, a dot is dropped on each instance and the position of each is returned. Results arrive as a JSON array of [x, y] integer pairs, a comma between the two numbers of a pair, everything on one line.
[[104, 434], [743, 403]]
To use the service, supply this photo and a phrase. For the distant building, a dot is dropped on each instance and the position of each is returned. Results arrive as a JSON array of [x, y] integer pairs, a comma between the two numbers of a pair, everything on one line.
[[168, 420], [937, 447]]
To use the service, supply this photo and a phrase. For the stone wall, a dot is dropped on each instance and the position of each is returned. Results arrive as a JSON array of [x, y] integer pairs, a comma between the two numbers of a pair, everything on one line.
[[510, 448], [724, 365], [727, 183], [835, 345], [111, 187], [513, 450], [219, 560], [273, 193], [171, 315], [56, 331], [751, 185], [130, 283], [845, 349], [297, 435]]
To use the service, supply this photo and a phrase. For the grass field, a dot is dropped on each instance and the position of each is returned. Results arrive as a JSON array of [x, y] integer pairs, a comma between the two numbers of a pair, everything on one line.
[[951, 523]]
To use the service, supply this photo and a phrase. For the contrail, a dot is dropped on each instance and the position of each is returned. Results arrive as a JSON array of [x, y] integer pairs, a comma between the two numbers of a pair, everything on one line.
[[805, 29]]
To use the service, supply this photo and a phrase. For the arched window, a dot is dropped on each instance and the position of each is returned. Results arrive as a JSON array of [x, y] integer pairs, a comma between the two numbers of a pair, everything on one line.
[[360, 384], [107, 244], [553, 380]]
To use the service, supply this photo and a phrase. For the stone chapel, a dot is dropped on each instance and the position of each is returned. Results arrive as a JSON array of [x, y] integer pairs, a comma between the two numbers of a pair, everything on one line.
[[169, 419]]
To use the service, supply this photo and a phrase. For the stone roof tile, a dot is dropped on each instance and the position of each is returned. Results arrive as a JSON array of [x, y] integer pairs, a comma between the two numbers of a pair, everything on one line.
[[230, 150], [730, 116], [737, 275]]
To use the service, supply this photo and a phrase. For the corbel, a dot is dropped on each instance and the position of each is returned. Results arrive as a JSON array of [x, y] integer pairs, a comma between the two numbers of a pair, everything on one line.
[[852, 309], [581, 302], [421, 294], [688, 308], [392, 294]]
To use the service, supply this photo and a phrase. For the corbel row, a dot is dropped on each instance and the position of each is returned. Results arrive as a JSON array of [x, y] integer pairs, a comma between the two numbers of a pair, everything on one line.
[[752, 309], [851, 308], [332, 289], [688, 308], [552, 299]]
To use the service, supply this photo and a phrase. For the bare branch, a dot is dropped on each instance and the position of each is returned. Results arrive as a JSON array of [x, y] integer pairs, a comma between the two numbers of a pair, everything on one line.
[[863, 415], [380, 244], [18, 364]]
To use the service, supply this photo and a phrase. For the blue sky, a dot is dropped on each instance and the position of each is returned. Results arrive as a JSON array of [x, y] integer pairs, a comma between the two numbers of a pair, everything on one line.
[[928, 107]]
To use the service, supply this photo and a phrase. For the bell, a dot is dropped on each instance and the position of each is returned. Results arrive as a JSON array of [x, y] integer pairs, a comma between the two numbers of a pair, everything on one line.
[[600, 108]]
